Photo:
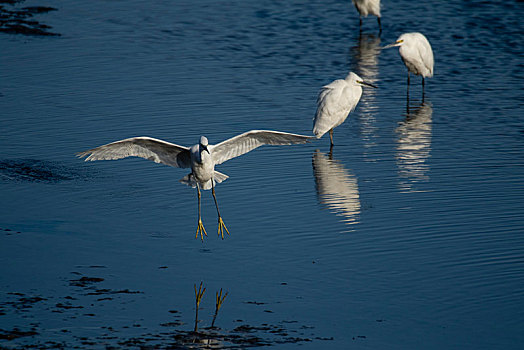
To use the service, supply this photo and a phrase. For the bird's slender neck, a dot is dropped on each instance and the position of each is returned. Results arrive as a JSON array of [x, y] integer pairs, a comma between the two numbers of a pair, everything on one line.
[[202, 153]]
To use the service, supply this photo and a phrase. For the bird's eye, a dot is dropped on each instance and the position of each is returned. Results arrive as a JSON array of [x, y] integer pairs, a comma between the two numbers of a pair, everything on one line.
[[400, 41]]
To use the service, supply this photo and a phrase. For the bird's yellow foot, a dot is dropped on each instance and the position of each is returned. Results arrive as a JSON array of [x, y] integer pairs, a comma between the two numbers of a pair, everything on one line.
[[221, 227], [201, 230]]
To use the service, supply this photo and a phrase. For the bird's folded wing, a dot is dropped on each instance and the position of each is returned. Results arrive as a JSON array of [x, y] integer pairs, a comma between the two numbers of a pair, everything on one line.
[[248, 141], [145, 147], [428, 61], [333, 99], [426, 55]]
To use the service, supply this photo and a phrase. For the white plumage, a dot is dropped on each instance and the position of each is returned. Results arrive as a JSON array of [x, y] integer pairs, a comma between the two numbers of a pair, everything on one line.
[[416, 53], [201, 158], [368, 7], [335, 101]]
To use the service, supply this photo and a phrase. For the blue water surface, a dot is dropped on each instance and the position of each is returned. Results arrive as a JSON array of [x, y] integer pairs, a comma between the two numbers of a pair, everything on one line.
[[409, 235]]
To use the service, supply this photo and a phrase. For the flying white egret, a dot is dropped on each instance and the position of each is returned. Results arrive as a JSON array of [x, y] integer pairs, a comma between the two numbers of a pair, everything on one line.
[[335, 101], [201, 158], [368, 7], [416, 53]]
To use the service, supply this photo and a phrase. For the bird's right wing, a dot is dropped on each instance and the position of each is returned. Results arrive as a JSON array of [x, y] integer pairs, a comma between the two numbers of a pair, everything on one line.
[[248, 141], [145, 147]]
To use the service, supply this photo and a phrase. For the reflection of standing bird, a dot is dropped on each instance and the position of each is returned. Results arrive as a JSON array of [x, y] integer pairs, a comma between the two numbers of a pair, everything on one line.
[[368, 7], [201, 158], [336, 187], [364, 60], [364, 57], [416, 53], [335, 101], [414, 145]]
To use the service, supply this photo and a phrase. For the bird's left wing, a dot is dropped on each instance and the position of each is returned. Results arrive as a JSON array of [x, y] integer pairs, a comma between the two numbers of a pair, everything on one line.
[[248, 141], [145, 147]]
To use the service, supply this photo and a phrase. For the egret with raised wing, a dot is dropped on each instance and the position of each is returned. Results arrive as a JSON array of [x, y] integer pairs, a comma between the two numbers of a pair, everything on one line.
[[335, 101], [201, 158], [416, 53]]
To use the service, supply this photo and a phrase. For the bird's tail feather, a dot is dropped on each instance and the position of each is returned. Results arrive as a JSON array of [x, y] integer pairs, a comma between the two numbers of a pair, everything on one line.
[[190, 180], [219, 177]]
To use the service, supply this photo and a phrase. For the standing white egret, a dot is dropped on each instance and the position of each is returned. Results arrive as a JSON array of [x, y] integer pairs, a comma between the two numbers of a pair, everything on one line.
[[201, 158], [416, 53], [368, 7], [335, 101]]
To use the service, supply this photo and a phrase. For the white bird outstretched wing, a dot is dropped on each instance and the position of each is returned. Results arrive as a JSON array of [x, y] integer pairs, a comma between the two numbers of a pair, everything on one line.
[[248, 141], [145, 147]]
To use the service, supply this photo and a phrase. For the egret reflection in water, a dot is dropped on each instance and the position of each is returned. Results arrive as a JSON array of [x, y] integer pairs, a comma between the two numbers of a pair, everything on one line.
[[336, 187], [364, 61], [364, 57], [414, 145]]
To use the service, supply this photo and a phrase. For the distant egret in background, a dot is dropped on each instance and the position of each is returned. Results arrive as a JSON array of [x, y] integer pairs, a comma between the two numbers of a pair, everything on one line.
[[368, 7], [335, 101], [416, 53], [201, 158]]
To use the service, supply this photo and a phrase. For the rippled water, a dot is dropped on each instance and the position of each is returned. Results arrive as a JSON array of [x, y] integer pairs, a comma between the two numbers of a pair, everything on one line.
[[409, 235]]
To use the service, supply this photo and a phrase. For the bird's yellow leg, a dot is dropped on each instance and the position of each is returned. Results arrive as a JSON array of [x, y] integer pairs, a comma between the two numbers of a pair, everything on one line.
[[221, 225], [201, 230], [200, 227]]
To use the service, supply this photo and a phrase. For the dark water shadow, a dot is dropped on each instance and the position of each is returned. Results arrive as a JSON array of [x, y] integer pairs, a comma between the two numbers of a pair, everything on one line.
[[14, 20], [89, 293], [34, 170]]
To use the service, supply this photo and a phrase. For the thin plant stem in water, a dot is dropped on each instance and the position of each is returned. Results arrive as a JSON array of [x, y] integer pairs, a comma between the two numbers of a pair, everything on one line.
[[219, 301], [198, 298]]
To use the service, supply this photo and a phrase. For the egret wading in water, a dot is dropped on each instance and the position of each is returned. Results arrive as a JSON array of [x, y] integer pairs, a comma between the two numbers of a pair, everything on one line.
[[335, 101], [368, 7], [201, 158], [416, 53]]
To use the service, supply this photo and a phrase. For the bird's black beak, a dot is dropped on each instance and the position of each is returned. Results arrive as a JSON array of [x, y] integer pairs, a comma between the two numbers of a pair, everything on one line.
[[389, 46], [367, 84], [205, 148], [396, 43]]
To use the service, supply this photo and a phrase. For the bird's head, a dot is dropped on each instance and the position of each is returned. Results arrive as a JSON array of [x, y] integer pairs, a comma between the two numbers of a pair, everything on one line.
[[356, 80], [399, 42], [203, 144]]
